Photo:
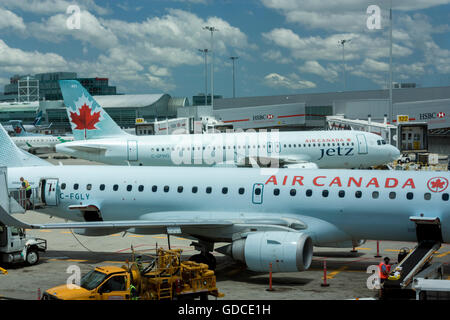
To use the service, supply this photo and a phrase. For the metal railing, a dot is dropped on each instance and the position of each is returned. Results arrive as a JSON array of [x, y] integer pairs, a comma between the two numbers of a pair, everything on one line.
[[20, 195]]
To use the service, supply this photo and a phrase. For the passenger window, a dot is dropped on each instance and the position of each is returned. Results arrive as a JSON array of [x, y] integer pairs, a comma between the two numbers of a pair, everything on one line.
[[293, 192], [358, 194], [194, 189], [241, 190], [180, 189], [166, 189], [63, 186], [75, 186], [276, 192], [375, 195], [445, 196], [102, 187], [141, 188], [257, 191], [392, 195], [116, 187], [208, 190], [129, 187], [89, 187], [409, 195], [427, 196], [341, 193], [154, 188], [225, 190], [325, 193], [309, 193]]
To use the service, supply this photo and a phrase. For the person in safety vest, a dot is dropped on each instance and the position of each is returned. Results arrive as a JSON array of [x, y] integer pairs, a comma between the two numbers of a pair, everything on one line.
[[133, 292], [384, 269], [26, 186]]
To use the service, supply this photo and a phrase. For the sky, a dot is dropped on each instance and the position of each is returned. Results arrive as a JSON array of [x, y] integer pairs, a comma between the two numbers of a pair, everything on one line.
[[284, 46]]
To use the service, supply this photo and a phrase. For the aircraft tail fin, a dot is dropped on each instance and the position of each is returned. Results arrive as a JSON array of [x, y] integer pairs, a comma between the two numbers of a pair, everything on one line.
[[38, 118], [87, 118], [19, 129], [12, 156]]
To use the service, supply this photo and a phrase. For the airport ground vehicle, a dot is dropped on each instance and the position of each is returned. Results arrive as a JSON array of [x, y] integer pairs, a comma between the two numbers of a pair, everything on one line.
[[166, 277], [15, 247]]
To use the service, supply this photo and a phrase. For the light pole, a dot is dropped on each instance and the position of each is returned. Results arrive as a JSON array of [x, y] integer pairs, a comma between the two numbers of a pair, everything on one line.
[[234, 78], [205, 52], [391, 111], [212, 29], [342, 43]]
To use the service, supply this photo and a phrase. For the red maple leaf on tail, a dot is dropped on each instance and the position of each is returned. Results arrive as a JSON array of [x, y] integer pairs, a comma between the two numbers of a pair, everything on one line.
[[85, 120]]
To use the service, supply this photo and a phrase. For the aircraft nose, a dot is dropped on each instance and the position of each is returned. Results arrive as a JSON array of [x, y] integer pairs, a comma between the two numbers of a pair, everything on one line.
[[395, 153]]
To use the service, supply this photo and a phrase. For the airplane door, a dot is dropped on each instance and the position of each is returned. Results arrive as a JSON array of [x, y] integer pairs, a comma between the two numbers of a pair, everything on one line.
[[132, 151], [277, 147], [362, 144], [257, 195], [50, 192], [269, 147]]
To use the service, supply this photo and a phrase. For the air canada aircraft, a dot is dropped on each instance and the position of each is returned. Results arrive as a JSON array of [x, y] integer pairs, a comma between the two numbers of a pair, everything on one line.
[[99, 138], [17, 128], [266, 215]]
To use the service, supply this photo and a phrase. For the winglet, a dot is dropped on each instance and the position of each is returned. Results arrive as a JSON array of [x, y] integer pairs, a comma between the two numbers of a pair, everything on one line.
[[87, 118], [12, 156]]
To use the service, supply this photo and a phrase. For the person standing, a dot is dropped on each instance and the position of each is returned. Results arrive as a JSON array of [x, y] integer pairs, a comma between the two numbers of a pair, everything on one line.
[[384, 269], [26, 186]]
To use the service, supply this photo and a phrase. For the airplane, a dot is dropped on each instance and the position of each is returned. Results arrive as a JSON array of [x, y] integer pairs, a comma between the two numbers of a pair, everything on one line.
[[17, 128], [265, 215], [99, 138], [40, 143]]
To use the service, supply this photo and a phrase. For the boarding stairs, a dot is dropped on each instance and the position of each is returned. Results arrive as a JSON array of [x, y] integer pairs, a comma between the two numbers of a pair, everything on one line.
[[399, 282]]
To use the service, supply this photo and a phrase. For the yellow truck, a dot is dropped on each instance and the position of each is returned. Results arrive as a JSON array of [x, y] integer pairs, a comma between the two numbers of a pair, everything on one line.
[[166, 277]]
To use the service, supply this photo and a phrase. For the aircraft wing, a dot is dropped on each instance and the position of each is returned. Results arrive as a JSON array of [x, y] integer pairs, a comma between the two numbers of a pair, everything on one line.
[[268, 222], [89, 149], [278, 162]]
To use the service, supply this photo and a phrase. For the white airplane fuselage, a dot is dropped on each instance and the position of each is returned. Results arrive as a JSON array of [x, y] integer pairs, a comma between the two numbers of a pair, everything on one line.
[[336, 205], [326, 149], [39, 142]]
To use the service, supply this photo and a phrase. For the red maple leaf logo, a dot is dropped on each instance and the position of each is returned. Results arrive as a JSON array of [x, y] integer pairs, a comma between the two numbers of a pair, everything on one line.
[[17, 130], [85, 120], [437, 184]]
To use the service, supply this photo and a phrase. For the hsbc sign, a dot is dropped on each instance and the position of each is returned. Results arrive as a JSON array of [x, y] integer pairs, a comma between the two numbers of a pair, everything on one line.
[[432, 115], [263, 117]]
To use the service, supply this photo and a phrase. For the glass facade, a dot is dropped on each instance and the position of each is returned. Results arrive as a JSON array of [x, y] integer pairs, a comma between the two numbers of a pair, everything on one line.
[[49, 86]]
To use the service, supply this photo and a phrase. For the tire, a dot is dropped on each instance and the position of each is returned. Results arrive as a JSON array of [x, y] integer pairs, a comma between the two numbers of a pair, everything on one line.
[[32, 257]]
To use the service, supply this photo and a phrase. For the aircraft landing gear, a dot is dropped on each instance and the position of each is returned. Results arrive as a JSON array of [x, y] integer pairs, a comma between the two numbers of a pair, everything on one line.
[[205, 256]]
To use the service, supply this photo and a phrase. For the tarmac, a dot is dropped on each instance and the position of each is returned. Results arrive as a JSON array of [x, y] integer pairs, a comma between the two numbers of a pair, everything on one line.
[[347, 274]]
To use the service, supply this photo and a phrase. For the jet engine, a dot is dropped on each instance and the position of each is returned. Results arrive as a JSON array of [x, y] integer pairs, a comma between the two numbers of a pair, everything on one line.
[[287, 251]]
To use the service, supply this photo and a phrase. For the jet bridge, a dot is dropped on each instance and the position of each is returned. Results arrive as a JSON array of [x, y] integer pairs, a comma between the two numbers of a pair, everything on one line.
[[429, 237]]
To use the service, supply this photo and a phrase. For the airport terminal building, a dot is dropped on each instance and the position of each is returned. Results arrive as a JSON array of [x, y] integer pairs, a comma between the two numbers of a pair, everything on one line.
[[283, 112]]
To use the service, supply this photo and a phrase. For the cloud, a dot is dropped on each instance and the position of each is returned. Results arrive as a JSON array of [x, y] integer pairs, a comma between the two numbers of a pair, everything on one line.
[[341, 16], [9, 19], [292, 82], [92, 30], [47, 7], [19, 61], [141, 52], [277, 56], [329, 73]]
